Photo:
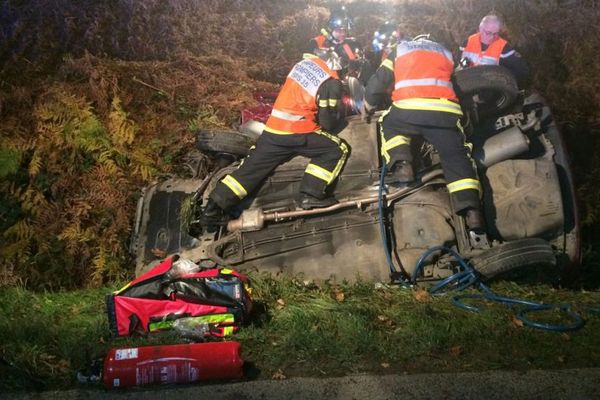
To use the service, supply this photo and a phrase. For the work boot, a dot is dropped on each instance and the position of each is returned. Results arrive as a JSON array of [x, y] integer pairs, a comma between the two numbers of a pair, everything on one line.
[[401, 175], [308, 202], [474, 220], [402, 172], [213, 214]]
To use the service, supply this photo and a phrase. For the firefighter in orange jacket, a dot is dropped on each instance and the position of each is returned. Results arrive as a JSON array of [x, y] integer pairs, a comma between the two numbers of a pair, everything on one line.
[[307, 110], [487, 48], [424, 103], [349, 53]]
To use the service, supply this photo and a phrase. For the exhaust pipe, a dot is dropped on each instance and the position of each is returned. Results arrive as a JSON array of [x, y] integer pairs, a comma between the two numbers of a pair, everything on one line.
[[253, 220]]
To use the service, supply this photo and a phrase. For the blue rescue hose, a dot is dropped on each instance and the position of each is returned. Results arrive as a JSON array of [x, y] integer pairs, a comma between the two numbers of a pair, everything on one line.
[[467, 277]]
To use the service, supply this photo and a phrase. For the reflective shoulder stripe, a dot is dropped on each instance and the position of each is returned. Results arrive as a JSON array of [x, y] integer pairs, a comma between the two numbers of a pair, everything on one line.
[[235, 186], [405, 48], [423, 82], [387, 63], [463, 184], [308, 56], [429, 104], [286, 116], [319, 172], [510, 53]]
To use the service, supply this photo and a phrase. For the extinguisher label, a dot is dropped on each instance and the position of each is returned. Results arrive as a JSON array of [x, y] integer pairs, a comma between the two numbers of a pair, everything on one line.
[[126, 354]]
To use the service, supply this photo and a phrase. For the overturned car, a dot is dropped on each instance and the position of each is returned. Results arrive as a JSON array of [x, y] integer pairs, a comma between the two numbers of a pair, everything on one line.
[[527, 195]]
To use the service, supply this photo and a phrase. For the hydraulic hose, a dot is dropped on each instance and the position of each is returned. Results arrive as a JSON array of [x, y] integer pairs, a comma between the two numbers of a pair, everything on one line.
[[467, 277]]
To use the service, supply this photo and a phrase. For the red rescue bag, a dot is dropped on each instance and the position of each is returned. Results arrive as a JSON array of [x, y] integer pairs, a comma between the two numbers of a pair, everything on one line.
[[211, 302]]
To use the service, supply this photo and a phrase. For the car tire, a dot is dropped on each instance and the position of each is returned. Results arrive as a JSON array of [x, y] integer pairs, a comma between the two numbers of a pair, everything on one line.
[[511, 256], [224, 142], [496, 81]]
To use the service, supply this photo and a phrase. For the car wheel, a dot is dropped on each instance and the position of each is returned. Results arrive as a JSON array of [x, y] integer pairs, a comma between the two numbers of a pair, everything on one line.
[[224, 142], [494, 85], [511, 256]]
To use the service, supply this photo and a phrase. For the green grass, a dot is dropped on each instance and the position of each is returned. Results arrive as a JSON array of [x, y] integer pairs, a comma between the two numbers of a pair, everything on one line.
[[309, 331]]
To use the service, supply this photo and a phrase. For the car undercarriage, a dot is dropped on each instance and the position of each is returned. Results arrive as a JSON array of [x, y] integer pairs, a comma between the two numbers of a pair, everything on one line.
[[527, 196]]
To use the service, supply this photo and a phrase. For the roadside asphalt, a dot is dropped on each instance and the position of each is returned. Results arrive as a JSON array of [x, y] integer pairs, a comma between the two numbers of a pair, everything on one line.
[[572, 384]]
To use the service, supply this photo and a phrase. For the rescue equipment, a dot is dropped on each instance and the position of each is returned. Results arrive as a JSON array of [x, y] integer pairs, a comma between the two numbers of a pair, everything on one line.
[[216, 301], [179, 363]]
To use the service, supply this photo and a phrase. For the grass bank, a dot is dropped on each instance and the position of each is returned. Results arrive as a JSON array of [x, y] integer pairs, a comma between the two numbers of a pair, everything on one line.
[[309, 330]]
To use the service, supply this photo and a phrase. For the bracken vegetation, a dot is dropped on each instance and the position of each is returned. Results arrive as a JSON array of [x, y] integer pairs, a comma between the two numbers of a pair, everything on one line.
[[98, 98]]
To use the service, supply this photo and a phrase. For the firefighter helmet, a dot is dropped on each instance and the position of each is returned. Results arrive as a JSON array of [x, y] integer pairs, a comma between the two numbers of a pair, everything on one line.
[[340, 19], [387, 35]]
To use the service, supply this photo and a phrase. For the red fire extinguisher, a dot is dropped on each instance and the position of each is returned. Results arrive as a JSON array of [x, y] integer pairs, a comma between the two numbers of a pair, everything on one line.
[[178, 363]]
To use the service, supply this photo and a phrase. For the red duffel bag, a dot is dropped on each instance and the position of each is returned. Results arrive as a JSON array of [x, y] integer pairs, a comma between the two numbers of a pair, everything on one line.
[[209, 302]]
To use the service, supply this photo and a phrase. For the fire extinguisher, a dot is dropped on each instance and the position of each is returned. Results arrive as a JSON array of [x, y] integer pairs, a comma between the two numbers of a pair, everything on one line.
[[178, 363]]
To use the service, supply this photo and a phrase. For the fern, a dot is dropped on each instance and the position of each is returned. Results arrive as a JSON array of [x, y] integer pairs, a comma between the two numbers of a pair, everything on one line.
[[22, 231], [35, 164], [10, 159], [99, 264], [33, 201], [122, 130]]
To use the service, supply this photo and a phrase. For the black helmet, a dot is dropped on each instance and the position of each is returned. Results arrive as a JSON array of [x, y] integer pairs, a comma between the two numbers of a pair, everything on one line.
[[340, 18], [387, 34]]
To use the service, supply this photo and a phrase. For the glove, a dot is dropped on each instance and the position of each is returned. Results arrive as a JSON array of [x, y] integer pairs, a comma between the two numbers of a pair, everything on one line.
[[367, 112]]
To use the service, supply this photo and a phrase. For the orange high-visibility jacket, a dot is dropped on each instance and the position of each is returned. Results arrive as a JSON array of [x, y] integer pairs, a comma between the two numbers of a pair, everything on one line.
[[489, 56], [321, 41], [422, 69], [295, 108]]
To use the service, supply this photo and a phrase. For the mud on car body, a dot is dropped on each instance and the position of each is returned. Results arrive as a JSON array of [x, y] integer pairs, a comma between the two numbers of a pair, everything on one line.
[[527, 195]]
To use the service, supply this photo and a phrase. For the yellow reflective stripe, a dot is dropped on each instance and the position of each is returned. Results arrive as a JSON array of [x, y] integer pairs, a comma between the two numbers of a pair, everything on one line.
[[396, 141], [319, 172], [228, 330], [215, 318], [226, 271], [389, 64], [460, 127], [278, 132], [463, 184], [309, 55], [123, 288], [384, 152], [235, 186], [429, 104], [327, 102], [342, 146]]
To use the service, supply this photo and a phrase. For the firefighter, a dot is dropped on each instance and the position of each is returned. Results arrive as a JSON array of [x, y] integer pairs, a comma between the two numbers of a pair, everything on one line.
[[424, 103], [306, 115], [487, 48], [349, 60], [385, 39]]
